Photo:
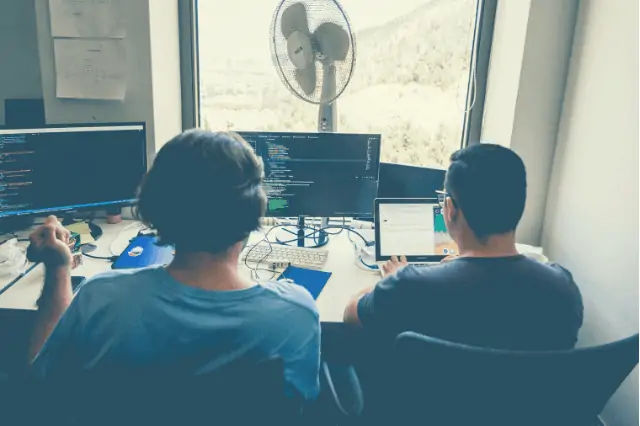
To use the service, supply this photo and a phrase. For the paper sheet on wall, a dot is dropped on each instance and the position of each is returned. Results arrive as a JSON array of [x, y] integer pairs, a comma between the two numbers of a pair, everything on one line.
[[88, 18], [90, 69]]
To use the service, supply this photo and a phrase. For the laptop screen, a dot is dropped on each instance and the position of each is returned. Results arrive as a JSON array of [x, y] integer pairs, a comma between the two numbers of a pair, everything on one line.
[[412, 228]]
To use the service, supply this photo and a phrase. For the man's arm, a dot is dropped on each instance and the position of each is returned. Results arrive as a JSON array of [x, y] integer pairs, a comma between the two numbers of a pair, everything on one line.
[[351, 312], [49, 245], [54, 301]]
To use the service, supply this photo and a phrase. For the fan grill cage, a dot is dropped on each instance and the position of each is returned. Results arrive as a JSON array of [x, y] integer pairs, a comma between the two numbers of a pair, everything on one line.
[[318, 12]]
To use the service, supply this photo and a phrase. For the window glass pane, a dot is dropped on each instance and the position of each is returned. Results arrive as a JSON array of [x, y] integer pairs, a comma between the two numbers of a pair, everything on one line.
[[410, 81]]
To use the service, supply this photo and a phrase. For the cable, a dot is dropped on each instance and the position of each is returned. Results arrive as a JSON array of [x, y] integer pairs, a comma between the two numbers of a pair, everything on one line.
[[351, 230], [315, 231], [121, 233], [256, 268], [311, 225], [110, 258]]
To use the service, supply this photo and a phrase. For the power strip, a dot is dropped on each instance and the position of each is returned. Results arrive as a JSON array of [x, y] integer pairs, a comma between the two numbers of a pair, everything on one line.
[[361, 224], [268, 222]]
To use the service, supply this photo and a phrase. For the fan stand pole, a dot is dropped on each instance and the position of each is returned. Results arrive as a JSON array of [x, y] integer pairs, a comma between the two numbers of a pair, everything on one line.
[[327, 123]]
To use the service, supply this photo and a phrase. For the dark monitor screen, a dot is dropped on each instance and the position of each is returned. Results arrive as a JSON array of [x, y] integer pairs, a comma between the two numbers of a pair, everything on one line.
[[55, 169], [403, 181], [318, 174]]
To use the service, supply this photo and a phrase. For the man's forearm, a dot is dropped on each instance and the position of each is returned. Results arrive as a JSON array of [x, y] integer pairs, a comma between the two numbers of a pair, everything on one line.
[[55, 298], [351, 312]]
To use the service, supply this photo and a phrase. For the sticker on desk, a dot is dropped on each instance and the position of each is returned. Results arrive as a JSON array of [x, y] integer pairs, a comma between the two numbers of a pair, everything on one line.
[[136, 251]]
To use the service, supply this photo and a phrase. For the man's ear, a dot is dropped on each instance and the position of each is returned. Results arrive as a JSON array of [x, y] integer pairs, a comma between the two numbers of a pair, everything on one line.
[[451, 210]]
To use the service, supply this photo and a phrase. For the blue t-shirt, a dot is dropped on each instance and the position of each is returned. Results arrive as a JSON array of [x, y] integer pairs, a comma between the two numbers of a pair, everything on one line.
[[143, 318]]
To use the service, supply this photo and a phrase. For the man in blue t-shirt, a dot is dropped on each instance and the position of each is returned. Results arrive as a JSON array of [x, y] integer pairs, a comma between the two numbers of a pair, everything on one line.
[[204, 196], [489, 295]]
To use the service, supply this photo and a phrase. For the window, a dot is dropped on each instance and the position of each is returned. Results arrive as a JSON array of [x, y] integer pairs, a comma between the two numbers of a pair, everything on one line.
[[410, 82]]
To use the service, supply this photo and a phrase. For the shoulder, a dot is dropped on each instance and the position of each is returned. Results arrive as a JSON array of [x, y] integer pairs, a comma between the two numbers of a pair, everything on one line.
[[292, 295], [561, 277], [111, 284], [410, 275], [121, 276], [551, 272]]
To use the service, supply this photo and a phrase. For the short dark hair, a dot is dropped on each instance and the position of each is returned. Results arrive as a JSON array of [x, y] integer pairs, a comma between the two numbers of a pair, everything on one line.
[[489, 184], [204, 192]]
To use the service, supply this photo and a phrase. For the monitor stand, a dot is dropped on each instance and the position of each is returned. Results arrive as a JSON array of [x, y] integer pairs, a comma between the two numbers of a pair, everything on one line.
[[69, 219], [306, 237]]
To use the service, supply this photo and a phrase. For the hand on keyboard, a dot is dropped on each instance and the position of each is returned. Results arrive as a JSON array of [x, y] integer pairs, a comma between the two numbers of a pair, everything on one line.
[[393, 265]]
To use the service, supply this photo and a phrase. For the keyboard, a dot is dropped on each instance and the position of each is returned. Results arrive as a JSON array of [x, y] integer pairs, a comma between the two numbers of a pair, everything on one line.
[[278, 254]]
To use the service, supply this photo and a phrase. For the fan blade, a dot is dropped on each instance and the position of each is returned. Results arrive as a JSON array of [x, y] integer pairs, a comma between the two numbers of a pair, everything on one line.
[[333, 41], [294, 18], [300, 50], [306, 78]]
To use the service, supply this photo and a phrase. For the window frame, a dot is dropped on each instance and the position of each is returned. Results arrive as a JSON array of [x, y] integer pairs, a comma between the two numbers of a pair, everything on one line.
[[477, 85]]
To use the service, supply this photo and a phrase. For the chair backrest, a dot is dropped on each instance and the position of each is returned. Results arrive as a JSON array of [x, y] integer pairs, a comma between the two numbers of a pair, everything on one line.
[[455, 384], [243, 393]]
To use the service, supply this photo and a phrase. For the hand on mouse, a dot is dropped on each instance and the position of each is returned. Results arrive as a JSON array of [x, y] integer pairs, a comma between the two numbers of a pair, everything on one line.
[[50, 244], [393, 265]]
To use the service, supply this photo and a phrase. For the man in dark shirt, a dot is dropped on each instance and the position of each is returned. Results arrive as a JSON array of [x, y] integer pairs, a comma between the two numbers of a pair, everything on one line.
[[489, 295]]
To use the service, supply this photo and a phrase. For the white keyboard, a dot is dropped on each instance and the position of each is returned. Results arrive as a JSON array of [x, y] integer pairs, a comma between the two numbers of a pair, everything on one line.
[[276, 255]]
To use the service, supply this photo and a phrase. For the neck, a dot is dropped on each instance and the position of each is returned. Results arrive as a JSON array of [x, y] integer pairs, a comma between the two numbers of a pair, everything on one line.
[[207, 271], [495, 246]]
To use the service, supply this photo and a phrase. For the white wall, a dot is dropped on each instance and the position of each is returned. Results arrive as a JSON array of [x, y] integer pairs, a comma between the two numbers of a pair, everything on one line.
[[137, 105], [165, 60], [20, 64], [591, 220], [527, 75], [153, 73]]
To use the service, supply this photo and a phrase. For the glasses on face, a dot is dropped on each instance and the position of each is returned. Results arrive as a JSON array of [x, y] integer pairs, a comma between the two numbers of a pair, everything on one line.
[[442, 197]]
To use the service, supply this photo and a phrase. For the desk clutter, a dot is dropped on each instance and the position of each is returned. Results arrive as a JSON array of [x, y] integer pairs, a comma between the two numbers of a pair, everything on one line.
[[319, 213]]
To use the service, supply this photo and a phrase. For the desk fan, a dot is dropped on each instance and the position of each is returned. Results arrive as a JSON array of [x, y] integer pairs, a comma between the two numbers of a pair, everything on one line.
[[314, 51]]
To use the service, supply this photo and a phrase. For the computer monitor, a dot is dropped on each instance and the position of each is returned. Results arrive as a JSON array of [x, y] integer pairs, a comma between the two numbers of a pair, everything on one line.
[[56, 169], [404, 181], [318, 174]]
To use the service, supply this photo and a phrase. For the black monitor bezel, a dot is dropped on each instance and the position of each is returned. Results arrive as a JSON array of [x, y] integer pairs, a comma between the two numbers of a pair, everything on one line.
[[415, 259], [311, 215], [78, 208]]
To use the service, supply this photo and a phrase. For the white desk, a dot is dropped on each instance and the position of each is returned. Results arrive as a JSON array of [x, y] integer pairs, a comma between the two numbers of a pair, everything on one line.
[[347, 278]]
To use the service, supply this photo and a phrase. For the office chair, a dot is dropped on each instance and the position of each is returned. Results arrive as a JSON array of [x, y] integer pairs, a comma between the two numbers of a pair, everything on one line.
[[242, 394], [443, 383]]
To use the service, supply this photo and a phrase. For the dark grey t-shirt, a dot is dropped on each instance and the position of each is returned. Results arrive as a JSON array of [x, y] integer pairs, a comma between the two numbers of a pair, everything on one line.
[[509, 302]]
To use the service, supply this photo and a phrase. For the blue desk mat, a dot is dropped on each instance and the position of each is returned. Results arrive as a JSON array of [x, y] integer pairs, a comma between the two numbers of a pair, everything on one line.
[[314, 281], [143, 251]]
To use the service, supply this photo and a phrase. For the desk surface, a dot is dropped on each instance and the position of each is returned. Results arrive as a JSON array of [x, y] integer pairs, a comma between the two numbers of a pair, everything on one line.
[[347, 279]]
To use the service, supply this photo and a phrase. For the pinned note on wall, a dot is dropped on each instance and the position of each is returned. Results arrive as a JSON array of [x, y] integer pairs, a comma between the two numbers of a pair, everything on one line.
[[90, 69], [88, 18]]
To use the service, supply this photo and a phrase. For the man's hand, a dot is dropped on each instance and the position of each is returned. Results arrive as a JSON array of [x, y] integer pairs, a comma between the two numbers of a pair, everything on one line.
[[393, 265], [449, 258], [50, 245]]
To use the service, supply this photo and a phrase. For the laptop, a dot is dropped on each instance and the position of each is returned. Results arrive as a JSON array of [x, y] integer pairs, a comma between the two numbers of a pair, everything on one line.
[[411, 227]]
